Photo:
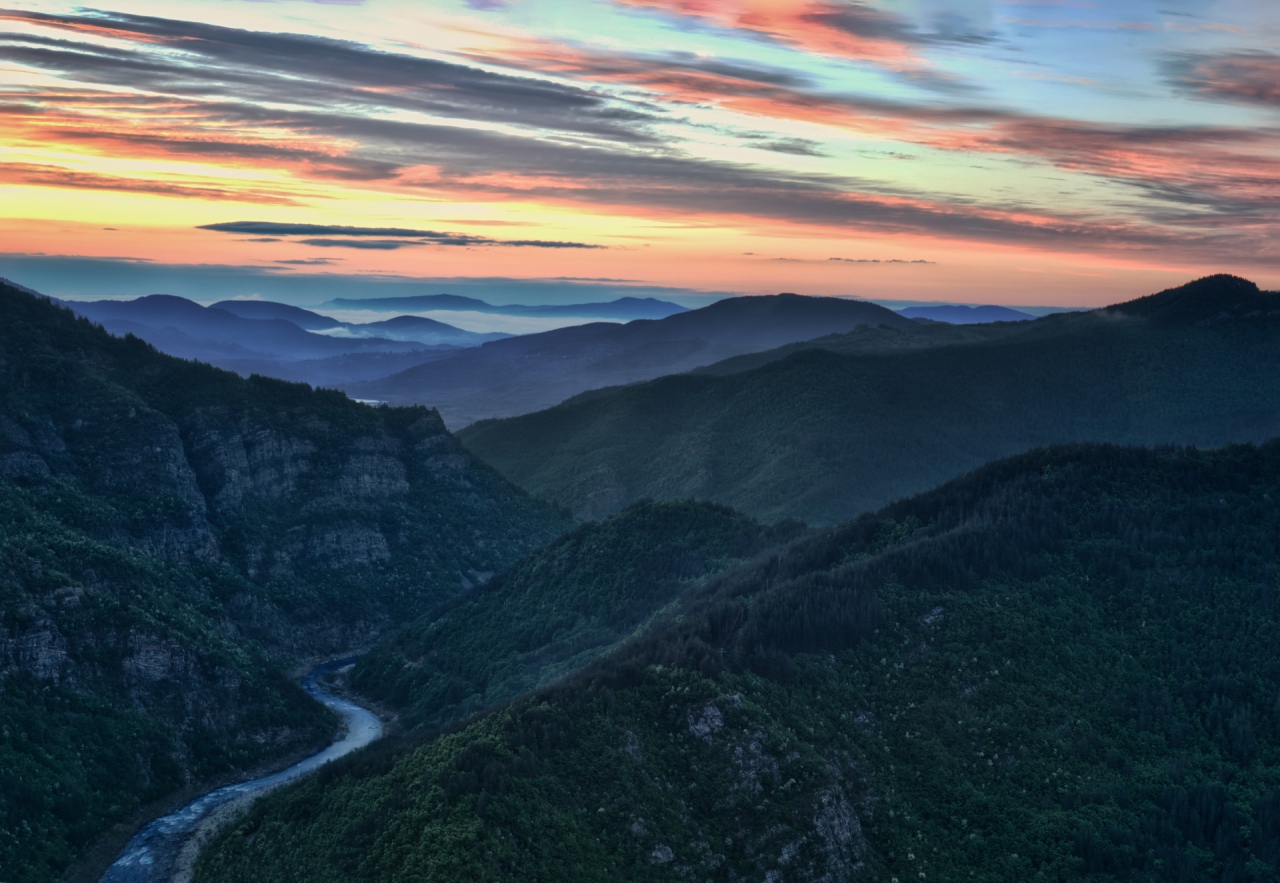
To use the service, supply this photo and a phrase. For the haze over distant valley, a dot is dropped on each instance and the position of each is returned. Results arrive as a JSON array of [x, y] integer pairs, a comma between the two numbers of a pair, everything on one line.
[[384, 359]]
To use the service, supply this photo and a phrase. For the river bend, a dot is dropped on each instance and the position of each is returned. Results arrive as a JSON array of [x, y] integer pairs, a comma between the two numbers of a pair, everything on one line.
[[156, 853]]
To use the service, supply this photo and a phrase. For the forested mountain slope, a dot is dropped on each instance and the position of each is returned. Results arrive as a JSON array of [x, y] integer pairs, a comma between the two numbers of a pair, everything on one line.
[[557, 609], [1059, 667], [522, 374], [821, 434], [170, 534]]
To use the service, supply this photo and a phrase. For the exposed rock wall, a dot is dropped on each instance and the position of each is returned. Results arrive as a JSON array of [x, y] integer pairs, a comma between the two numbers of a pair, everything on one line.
[[35, 646]]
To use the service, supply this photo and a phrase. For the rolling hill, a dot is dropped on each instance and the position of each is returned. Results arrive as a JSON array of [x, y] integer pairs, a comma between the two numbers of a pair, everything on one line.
[[842, 425], [1058, 667], [265, 309], [534, 371], [172, 538]]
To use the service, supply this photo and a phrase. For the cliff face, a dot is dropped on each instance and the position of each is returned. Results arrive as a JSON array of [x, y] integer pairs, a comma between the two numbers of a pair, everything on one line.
[[370, 514], [171, 534]]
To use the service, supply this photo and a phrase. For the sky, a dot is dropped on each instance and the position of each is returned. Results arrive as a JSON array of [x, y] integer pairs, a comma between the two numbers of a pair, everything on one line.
[[1034, 152]]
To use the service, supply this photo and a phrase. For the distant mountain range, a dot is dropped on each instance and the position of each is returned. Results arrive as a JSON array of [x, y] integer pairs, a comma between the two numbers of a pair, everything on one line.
[[278, 340], [265, 309], [386, 360], [963, 314], [846, 423], [623, 309], [522, 374]]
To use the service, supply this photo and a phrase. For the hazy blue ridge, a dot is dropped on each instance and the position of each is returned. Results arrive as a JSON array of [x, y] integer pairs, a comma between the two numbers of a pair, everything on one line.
[[964, 314], [846, 423], [623, 309], [533, 371]]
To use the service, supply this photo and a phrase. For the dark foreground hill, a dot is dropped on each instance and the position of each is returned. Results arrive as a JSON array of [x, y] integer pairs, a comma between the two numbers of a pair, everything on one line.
[[171, 536], [556, 610], [1059, 667], [846, 425], [534, 371]]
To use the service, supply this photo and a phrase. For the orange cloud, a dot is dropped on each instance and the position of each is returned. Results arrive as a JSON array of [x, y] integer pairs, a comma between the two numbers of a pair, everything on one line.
[[319, 117], [34, 174], [162, 128], [1248, 77], [757, 91], [1220, 170], [846, 30]]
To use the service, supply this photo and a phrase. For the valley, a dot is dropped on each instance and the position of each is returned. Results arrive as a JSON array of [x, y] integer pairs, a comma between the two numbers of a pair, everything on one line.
[[1052, 660], [173, 539]]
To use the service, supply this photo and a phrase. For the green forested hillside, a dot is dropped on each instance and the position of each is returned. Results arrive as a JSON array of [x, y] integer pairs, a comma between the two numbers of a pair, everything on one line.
[[557, 609], [1059, 667], [120, 683], [171, 536], [858, 420]]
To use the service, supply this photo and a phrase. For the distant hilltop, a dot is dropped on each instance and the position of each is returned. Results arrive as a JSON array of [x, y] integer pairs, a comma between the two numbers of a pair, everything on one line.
[[963, 314], [624, 308]]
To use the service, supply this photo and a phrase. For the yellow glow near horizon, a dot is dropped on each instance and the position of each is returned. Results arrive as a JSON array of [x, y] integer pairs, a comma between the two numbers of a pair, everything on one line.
[[704, 146]]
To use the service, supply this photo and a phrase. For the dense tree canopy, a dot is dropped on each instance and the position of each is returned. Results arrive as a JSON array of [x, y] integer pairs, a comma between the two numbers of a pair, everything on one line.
[[1058, 667]]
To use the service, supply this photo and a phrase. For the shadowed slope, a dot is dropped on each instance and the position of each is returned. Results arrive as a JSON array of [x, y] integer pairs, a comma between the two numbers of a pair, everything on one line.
[[558, 609]]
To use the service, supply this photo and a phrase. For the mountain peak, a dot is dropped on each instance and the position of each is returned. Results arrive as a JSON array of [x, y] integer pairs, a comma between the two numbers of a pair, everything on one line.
[[835, 314], [1221, 298]]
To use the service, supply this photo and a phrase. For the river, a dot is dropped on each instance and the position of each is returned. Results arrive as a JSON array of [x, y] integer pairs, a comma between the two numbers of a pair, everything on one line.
[[165, 850]]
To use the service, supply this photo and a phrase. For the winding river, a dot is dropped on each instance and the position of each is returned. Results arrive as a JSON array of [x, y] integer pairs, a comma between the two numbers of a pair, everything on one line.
[[165, 850]]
